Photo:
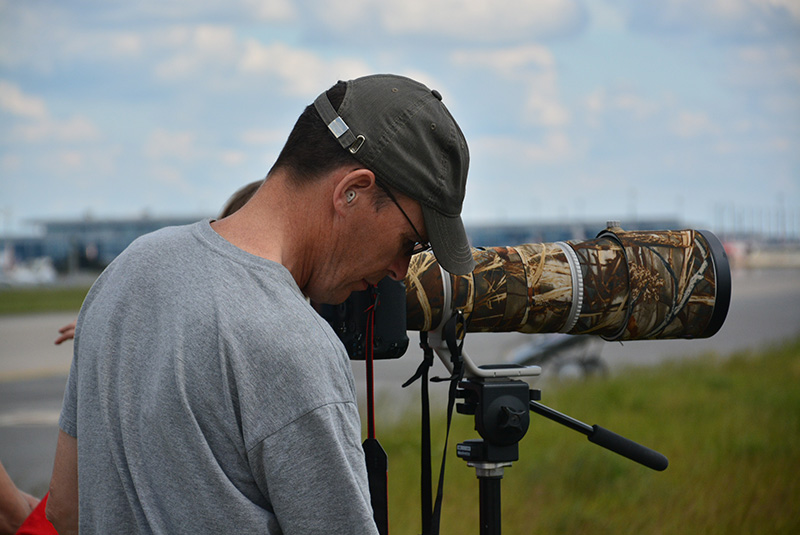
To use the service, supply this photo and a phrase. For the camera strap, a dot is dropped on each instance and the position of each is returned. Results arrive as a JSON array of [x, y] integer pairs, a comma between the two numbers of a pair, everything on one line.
[[425, 433], [431, 514], [374, 455]]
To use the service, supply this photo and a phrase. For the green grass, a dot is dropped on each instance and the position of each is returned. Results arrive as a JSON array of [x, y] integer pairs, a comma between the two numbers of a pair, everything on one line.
[[44, 299], [730, 428]]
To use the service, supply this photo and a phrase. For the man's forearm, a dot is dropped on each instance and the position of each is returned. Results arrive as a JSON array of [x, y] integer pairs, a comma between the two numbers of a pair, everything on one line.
[[62, 503]]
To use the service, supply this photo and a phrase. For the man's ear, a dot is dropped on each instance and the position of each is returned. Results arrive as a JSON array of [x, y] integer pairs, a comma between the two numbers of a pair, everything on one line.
[[352, 187]]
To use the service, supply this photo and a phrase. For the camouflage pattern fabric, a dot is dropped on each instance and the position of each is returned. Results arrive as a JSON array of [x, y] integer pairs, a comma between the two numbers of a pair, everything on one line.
[[636, 285]]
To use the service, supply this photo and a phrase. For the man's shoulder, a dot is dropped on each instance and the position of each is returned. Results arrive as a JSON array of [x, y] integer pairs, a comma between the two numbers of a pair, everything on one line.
[[166, 236], [175, 247]]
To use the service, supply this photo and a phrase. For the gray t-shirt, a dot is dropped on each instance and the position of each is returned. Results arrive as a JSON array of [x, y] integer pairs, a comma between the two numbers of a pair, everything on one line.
[[207, 396]]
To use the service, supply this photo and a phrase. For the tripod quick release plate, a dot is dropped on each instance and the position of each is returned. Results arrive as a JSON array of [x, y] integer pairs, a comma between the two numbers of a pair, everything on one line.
[[478, 451]]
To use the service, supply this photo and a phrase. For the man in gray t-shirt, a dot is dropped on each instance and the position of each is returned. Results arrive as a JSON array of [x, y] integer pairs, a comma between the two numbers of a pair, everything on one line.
[[205, 394]]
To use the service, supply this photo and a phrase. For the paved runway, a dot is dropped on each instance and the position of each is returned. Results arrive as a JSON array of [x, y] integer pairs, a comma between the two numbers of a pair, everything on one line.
[[765, 309], [32, 376]]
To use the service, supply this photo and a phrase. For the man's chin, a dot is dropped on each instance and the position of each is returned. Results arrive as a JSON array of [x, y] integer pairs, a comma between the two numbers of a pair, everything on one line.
[[340, 298], [334, 299]]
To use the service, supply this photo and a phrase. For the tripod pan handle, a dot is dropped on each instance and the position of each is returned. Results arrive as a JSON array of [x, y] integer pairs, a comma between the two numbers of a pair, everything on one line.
[[627, 448]]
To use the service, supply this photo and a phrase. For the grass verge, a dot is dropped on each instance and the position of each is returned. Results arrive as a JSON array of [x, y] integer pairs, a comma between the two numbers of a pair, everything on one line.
[[730, 428], [41, 299]]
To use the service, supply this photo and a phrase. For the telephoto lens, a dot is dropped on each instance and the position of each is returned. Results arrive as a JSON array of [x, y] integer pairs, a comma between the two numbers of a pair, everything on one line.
[[621, 285]]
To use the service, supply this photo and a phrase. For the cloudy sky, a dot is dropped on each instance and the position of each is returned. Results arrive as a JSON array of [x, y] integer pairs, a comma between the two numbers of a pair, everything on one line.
[[594, 110]]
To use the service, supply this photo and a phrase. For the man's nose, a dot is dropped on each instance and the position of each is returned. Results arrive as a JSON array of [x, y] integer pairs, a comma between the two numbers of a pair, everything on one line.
[[399, 268]]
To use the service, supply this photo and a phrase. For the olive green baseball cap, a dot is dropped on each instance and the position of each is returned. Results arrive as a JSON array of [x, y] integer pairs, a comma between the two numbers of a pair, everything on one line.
[[402, 131]]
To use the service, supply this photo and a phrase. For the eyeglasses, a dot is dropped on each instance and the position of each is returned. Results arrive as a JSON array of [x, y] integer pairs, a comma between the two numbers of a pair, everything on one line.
[[418, 246]]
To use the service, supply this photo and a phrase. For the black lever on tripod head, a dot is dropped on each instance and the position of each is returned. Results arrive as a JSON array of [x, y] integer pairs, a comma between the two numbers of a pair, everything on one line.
[[605, 438]]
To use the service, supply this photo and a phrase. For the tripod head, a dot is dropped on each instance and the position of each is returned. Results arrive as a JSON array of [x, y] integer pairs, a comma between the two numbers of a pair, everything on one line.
[[501, 407]]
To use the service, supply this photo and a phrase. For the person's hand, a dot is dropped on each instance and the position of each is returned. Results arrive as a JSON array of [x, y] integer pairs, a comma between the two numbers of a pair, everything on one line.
[[67, 333], [32, 501], [15, 505]]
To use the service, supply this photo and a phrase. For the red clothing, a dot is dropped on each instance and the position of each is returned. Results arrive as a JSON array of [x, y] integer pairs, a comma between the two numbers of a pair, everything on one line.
[[36, 523]]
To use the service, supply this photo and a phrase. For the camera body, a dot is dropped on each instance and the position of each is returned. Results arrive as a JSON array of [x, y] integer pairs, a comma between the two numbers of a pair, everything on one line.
[[384, 307]]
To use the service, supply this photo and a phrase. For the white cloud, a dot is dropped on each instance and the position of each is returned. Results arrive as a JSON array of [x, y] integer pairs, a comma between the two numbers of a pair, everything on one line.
[[479, 20], [232, 158], [555, 147], [203, 50], [72, 169], [545, 110], [271, 10], [160, 11], [217, 40], [14, 101], [463, 20], [760, 19], [172, 178], [162, 144], [601, 102], [514, 62], [46, 38], [783, 144], [744, 8], [641, 108], [262, 136], [693, 124], [303, 73], [218, 56], [766, 66], [43, 39], [531, 66], [125, 44], [70, 159], [74, 129]]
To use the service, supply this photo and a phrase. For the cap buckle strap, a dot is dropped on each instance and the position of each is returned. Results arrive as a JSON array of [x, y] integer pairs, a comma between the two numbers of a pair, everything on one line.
[[356, 144], [336, 125]]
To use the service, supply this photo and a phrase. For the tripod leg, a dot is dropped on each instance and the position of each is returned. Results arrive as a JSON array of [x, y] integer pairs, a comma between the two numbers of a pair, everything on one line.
[[490, 504]]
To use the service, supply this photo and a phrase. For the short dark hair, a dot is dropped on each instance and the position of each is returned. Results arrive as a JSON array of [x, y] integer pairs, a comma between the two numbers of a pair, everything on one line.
[[311, 150]]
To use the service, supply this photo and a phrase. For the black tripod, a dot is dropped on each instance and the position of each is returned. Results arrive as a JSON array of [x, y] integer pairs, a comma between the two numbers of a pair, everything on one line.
[[501, 408]]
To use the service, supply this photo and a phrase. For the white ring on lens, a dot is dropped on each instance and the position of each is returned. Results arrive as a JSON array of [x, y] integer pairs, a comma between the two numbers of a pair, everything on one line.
[[577, 287], [447, 304]]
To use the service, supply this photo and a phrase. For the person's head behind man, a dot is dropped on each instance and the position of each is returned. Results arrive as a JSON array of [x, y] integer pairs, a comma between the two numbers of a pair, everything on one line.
[[393, 163]]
